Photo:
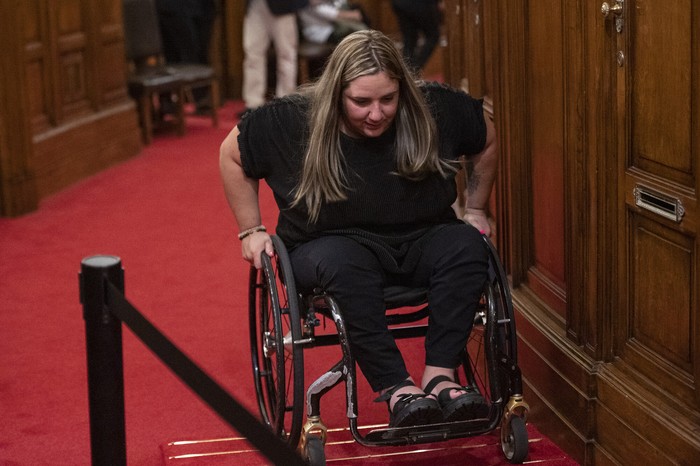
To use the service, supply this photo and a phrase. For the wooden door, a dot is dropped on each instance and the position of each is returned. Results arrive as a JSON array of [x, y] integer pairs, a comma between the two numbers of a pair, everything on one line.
[[658, 115], [657, 127], [598, 121]]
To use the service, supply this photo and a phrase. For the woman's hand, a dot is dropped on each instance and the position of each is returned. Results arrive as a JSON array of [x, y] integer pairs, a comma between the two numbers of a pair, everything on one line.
[[479, 219], [253, 245]]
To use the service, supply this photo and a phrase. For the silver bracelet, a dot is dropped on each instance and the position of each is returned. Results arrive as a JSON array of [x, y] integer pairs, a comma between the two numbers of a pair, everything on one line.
[[250, 231]]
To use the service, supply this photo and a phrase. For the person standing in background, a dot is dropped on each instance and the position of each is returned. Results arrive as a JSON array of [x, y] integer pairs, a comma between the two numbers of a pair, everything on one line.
[[415, 18], [329, 21], [269, 21], [186, 28]]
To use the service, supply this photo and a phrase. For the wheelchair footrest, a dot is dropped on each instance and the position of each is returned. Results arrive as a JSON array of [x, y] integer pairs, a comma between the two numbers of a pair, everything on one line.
[[415, 434], [426, 433]]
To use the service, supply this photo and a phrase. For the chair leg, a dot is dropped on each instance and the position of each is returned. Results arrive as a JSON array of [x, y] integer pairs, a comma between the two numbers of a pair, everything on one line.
[[181, 111], [146, 115], [215, 103]]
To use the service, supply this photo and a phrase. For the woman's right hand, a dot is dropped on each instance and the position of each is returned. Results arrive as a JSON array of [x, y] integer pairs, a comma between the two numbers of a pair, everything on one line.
[[254, 244]]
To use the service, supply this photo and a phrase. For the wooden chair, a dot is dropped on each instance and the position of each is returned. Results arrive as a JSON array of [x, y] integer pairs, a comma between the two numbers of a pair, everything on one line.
[[310, 54], [150, 76]]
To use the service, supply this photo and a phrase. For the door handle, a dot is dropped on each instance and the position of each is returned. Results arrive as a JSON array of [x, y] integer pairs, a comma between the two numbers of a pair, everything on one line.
[[616, 10], [606, 9]]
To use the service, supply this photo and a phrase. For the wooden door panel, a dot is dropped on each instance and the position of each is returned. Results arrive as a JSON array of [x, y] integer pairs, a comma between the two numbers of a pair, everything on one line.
[[658, 108], [661, 276], [453, 59], [546, 69], [70, 34], [661, 89]]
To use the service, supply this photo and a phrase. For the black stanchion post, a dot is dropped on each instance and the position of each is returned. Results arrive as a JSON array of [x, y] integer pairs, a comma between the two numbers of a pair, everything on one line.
[[103, 335]]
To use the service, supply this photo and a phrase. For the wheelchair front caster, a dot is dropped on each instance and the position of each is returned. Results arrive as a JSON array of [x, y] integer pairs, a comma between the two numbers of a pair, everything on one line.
[[314, 452], [514, 441]]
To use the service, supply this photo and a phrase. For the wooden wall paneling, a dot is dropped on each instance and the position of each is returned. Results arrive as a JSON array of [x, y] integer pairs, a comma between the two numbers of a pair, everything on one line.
[[602, 274], [37, 56], [659, 155], [217, 55], [68, 96], [635, 426], [453, 58], [17, 188], [557, 388], [74, 71], [488, 48], [491, 66], [76, 151], [473, 48], [546, 121], [506, 27], [232, 13], [654, 368], [532, 82], [52, 75], [577, 217], [84, 136], [612, 369], [109, 54]]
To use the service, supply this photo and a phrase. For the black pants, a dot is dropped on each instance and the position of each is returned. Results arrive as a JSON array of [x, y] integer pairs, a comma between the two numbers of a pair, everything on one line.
[[416, 17], [453, 267]]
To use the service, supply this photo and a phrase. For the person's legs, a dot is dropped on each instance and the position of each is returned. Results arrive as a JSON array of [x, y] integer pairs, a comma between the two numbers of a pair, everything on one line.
[[256, 41], [285, 36], [409, 33], [353, 276], [203, 27], [454, 266], [178, 44], [429, 25]]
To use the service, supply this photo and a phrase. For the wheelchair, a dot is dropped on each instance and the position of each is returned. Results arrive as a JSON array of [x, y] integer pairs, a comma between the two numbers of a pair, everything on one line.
[[283, 326]]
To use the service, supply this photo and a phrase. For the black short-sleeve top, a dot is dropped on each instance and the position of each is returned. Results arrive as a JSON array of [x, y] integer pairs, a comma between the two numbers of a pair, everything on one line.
[[272, 144]]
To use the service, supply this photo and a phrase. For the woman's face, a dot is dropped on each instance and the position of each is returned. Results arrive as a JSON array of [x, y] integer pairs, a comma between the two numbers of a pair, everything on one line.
[[370, 103]]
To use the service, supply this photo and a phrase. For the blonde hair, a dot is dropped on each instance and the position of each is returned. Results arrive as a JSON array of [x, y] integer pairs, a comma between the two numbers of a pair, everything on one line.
[[363, 53]]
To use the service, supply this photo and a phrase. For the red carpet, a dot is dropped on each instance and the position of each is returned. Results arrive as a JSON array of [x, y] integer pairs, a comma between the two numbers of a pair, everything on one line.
[[164, 214], [341, 450]]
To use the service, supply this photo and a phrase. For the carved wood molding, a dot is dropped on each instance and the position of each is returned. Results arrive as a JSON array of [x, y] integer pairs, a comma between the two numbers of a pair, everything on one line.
[[17, 189]]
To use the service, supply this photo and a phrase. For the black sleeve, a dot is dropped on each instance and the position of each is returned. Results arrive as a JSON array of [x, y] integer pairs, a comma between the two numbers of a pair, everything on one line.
[[460, 119], [272, 138], [252, 144]]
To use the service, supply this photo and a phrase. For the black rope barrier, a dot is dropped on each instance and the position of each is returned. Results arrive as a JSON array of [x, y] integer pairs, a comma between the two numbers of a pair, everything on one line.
[[105, 308]]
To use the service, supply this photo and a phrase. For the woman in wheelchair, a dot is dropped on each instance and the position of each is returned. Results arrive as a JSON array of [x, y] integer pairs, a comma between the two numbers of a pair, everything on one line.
[[362, 164]]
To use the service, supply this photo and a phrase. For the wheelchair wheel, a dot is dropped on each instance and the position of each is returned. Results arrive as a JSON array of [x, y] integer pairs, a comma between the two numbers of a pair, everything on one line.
[[478, 355], [314, 453], [491, 353], [278, 363], [514, 440]]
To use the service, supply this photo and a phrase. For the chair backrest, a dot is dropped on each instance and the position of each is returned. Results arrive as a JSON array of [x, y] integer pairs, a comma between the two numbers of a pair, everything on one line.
[[141, 30]]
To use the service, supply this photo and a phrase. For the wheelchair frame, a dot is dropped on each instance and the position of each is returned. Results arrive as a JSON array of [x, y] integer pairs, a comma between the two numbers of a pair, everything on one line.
[[280, 332]]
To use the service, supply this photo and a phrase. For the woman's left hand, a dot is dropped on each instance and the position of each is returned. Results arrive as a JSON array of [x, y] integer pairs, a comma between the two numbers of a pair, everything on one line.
[[478, 219]]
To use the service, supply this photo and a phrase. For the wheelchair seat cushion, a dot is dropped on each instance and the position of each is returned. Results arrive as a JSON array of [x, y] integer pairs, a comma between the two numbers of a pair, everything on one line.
[[399, 296]]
